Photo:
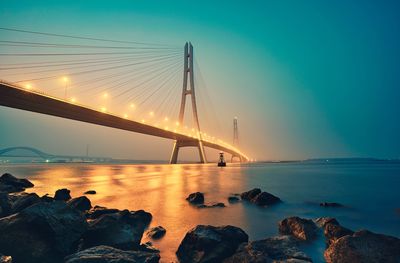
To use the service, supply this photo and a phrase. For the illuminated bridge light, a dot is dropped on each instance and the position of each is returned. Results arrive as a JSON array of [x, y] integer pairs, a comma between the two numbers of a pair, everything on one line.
[[73, 100], [126, 116], [28, 86], [105, 95], [151, 113], [166, 119], [177, 123], [132, 106], [143, 121], [103, 109]]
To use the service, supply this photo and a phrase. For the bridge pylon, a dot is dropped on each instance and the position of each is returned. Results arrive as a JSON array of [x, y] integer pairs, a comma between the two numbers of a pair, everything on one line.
[[236, 139], [188, 89]]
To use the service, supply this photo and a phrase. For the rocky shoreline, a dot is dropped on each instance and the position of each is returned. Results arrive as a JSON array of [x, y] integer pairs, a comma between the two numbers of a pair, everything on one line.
[[61, 228]]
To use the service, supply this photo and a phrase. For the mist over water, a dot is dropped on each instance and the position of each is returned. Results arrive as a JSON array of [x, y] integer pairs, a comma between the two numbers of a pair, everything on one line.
[[369, 192]]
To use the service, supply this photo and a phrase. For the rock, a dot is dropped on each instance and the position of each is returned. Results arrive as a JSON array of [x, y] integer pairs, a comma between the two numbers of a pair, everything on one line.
[[9, 179], [5, 259], [364, 246], [323, 221], [233, 199], [156, 232], [43, 232], [20, 201], [5, 205], [303, 229], [148, 247], [98, 211], [90, 192], [260, 198], [81, 203], [333, 232], [273, 249], [196, 198], [211, 206], [47, 198], [62, 195], [105, 254], [210, 243], [249, 195], [4, 188], [122, 230], [141, 216], [265, 199], [325, 204]]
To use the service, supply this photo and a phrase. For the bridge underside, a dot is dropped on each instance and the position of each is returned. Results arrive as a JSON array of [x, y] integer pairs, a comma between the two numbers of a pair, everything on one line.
[[187, 143]]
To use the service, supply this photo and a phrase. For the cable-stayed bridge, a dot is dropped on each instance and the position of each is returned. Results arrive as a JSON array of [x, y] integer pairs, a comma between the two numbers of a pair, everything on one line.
[[146, 82]]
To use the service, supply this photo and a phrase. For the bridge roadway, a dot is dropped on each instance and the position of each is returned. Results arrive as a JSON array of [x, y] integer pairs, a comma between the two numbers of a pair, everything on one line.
[[19, 98]]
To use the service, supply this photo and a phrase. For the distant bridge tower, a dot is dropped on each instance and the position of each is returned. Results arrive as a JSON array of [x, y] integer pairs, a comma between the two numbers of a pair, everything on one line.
[[188, 72], [235, 138]]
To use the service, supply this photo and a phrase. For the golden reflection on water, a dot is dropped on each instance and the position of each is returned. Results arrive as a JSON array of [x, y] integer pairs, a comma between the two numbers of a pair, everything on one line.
[[158, 189]]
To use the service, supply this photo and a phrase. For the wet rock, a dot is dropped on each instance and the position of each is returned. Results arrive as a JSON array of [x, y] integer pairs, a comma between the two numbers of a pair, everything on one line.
[[5, 205], [249, 195], [62, 195], [98, 211], [81, 203], [122, 230], [4, 188], [90, 192], [5, 259], [156, 232], [364, 246], [141, 216], [20, 201], [325, 204], [47, 198], [323, 221], [260, 198], [8, 179], [210, 243], [106, 254], [211, 206], [43, 232], [233, 199], [148, 247], [273, 249], [333, 232], [196, 198], [303, 229]]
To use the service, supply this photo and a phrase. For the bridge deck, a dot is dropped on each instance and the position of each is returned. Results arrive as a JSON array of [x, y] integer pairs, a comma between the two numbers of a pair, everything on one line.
[[19, 98]]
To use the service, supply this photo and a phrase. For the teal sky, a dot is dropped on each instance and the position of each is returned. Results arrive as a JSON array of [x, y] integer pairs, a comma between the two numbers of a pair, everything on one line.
[[306, 79]]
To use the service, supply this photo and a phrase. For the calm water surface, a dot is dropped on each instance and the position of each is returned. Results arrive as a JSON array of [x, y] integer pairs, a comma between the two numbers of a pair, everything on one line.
[[370, 193]]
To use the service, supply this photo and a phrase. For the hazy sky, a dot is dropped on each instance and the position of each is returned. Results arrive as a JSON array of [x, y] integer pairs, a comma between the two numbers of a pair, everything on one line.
[[306, 79]]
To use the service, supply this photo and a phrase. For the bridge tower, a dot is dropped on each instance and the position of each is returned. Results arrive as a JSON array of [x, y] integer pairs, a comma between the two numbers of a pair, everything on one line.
[[235, 138], [188, 89]]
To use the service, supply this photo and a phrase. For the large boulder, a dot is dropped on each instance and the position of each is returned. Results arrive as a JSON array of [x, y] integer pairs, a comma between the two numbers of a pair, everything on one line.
[[98, 211], [44, 232], [273, 249], [156, 232], [210, 243], [5, 205], [20, 201], [62, 195], [11, 184], [105, 254], [196, 198], [81, 203], [323, 221], [303, 229], [333, 232], [122, 230], [327, 204], [260, 198], [364, 246]]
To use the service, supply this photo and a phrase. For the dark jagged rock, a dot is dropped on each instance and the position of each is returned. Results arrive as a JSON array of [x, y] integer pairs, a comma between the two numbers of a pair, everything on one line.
[[156, 232], [303, 229], [273, 249], [210, 243], [260, 198], [9, 179], [5, 259], [211, 206], [43, 232], [333, 232], [122, 230], [326, 204], [249, 195], [81, 203], [323, 221], [20, 201], [62, 195], [5, 205], [5, 188], [141, 217], [196, 198], [148, 247], [233, 199], [47, 198], [98, 211], [364, 246], [105, 254], [90, 192]]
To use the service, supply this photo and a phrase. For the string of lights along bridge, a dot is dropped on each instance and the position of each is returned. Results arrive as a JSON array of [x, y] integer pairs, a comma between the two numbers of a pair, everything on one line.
[[136, 86]]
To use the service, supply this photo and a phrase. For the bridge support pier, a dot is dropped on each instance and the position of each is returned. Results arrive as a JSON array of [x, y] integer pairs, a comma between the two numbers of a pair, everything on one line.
[[188, 89]]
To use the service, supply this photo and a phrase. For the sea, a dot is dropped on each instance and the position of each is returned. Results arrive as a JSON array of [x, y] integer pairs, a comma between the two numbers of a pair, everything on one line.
[[368, 190]]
